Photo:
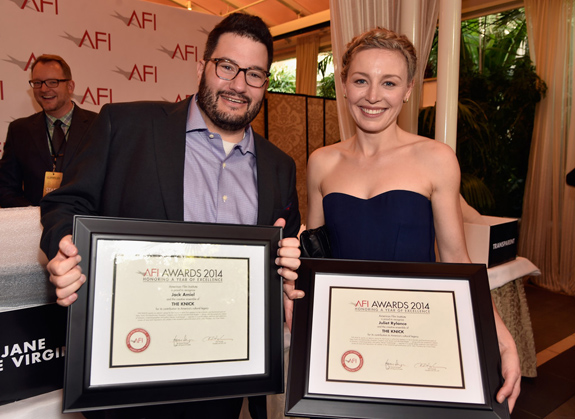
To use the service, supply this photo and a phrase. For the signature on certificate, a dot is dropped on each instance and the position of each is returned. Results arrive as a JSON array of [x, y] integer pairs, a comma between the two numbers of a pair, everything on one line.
[[216, 339], [182, 341], [394, 365], [429, 366]]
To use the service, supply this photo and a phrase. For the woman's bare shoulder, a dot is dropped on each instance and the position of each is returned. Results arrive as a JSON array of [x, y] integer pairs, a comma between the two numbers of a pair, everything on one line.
[[328, 154], [433, 151], [438, 162]]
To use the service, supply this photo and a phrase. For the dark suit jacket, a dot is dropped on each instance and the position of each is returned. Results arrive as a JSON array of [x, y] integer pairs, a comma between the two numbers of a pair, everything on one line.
[[571, 178], [27, 157], [131, 164]]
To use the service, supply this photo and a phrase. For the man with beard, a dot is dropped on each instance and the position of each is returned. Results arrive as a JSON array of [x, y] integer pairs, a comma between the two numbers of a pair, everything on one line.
[[196, 160], [40, 147]]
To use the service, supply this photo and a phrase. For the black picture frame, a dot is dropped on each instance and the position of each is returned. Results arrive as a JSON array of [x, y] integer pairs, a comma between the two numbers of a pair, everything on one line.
[[300, 401], [91, 233]]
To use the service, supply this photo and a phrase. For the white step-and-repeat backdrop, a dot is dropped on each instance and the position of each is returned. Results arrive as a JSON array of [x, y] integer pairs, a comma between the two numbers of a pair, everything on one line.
[[118, 50]]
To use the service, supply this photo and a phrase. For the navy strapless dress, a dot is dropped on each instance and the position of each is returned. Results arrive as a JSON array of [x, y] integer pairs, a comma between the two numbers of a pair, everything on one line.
[[393, 226]]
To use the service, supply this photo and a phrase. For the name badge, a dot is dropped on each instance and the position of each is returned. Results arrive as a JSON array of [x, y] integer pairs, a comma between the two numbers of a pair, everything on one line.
[[52, 181]]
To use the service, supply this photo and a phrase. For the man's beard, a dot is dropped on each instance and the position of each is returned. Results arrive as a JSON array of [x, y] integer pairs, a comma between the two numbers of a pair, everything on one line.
[[208, 102]]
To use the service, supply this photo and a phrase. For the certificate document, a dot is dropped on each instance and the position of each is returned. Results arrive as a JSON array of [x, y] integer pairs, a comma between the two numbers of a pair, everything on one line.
[[393, 339], [173, 311], [389, 336], [179, 309], [165, 311]]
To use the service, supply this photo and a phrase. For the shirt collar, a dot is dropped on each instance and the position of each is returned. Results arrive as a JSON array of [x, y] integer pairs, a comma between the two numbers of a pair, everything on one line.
[[66, 119], [196, 122]]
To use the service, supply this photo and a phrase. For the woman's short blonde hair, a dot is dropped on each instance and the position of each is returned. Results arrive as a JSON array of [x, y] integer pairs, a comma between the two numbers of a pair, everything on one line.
[[383, 39]]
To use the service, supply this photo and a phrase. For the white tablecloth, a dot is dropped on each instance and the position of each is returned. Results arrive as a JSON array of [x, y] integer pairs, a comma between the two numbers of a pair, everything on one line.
[[510, 271]]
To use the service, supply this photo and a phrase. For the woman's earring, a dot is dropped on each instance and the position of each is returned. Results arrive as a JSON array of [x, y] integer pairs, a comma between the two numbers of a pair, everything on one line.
[[344, 96], [406, 100]]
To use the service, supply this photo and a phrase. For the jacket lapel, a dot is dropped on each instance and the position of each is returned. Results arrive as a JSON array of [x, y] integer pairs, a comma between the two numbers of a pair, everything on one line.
[[39, 138], [78, 128], [266, 189], [169, 130]]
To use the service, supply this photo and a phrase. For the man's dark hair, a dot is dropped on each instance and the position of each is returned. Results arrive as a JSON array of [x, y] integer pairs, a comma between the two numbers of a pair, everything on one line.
[[241, 24], [46, 58]]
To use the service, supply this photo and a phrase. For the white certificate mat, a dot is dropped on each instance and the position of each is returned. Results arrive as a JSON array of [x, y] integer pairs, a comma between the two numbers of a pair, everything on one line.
[[395, 338], [169, 311], [173, 312]]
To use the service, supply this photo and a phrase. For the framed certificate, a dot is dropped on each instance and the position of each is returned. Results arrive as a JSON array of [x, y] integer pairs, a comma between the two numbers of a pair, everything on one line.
[[173, 311], [385, 339]]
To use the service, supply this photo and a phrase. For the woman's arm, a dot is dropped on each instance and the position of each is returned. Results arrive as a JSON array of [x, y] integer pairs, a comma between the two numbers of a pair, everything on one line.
[[510, 366], [445, 176], [452, 248]]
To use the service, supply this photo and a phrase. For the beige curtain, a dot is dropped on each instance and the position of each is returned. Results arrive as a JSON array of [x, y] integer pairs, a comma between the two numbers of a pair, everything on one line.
[[306, 52], [548, 225], [424, 22], [350, 18]]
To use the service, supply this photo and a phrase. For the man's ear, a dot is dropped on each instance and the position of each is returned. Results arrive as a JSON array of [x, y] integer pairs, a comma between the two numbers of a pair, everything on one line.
[[201, 67], [71, 86]]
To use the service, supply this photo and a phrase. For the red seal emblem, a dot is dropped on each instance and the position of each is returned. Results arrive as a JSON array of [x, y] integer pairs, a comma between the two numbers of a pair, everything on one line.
[[138, 340], [352, 361]]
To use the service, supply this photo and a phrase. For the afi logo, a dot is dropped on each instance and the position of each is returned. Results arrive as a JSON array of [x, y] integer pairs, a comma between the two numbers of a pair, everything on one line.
[[30, 62], [152, 272], [362, 303], [187, 50], [137, 340], [39, 5], [147, 70], [352, 361], [179, 98], [102, 96], [146, 18], [95, 40]]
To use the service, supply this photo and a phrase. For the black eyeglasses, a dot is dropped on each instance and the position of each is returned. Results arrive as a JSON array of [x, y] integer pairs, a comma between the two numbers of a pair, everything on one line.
[[228, 70], [37, 84]]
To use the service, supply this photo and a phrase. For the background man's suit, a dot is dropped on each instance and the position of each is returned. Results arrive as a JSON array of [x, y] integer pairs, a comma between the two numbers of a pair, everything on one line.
[[27, 156]]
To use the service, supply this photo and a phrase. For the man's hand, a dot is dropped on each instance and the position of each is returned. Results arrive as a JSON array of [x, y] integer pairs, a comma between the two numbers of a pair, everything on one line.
[[65, 273], [288, 262]]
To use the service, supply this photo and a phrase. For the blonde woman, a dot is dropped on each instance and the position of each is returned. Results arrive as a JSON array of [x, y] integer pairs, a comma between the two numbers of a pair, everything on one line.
[[387, 194]]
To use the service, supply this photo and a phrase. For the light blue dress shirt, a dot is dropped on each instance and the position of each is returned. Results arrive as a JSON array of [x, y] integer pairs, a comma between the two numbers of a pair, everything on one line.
[[218, 188]]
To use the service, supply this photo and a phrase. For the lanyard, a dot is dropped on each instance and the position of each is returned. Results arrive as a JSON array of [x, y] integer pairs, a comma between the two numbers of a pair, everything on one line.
[[56, 153]]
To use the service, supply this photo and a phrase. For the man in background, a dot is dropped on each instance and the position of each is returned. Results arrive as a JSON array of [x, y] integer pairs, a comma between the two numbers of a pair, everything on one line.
[[196, 160], [40, 147]]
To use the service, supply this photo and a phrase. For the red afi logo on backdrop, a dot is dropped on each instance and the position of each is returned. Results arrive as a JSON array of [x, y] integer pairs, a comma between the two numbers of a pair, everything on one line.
[[185, 51], [147, 70], [180, 98], [97, 96], [38, 5], [146, 18], [95, 40], [30, 62]]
